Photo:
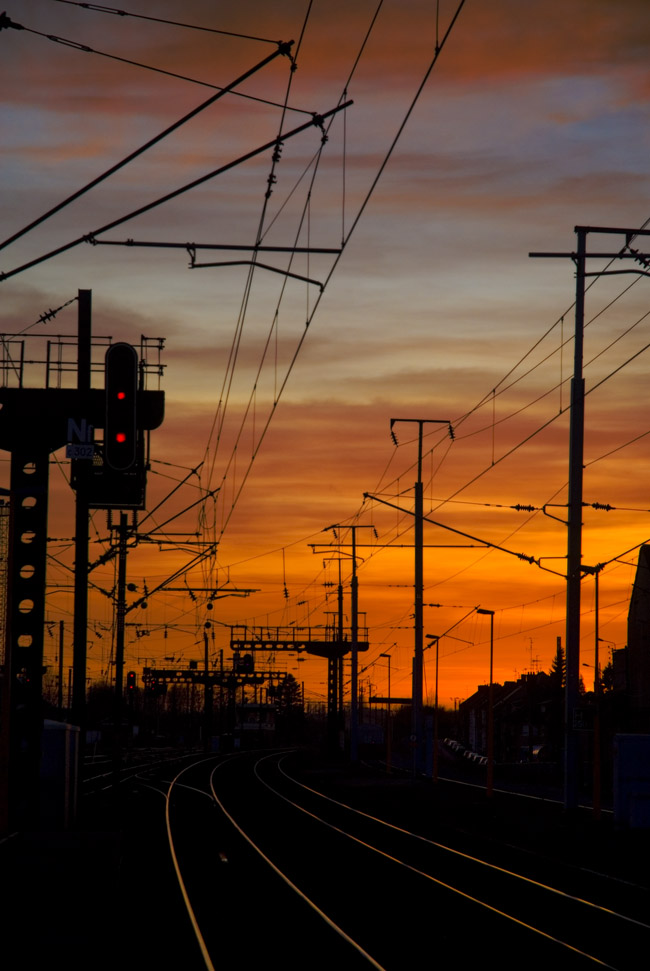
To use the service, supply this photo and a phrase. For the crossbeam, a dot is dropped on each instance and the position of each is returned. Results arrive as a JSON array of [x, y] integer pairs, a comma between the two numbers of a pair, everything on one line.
[[164, 676], [318, 648]]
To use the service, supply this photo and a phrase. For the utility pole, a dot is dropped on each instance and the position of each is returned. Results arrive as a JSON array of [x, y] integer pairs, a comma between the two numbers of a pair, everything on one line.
[[207, 692], [490, 725], [120, 613], [574, 536], [354, 654], [80, 623], [335, 721], [417, 725], [389, 724], [576, 449], [354, 639], [60, 685]]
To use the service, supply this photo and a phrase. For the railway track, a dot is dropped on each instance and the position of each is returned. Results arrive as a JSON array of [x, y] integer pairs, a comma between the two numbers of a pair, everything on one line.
[[272, 869]]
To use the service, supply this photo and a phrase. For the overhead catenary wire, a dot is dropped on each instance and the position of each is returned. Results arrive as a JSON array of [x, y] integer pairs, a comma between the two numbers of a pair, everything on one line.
[[100, 8], [559, 320], [211, 548], [355, 222], [220, 414], [636, 438], [366, 199], [489, 397], [230, 369], [89, 236], [84, 48], [125, 161], [368, 194]]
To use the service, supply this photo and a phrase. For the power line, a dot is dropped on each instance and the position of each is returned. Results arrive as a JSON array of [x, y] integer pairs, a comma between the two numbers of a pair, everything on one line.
[[99, 8], [84, 48], [282, 49], [354, 224]]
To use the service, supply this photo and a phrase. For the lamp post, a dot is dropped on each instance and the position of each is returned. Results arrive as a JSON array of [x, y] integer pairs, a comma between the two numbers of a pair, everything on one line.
[[389, 726], [436, 638], [490, 725]]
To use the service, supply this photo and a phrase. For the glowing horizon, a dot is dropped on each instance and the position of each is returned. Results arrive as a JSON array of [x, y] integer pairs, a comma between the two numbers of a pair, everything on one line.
[[527, 126]]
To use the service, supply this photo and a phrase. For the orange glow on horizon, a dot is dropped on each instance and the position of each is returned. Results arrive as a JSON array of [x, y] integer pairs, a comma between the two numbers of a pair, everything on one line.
[[281, 378]]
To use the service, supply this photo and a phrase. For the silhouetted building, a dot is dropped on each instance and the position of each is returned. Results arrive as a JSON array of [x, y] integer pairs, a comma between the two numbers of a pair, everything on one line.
[[523, 718], [638, 647]]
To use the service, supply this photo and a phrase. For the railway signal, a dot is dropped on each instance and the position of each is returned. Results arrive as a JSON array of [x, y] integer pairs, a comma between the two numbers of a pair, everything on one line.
[[121, 428]]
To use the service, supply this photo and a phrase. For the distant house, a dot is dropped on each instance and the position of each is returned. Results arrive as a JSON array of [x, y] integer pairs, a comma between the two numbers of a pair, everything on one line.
[[526, 713]]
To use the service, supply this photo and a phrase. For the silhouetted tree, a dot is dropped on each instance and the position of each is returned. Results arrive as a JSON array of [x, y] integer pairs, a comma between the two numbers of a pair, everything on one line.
[[558, 668], [555, 721], [290, 713], [607, 678]]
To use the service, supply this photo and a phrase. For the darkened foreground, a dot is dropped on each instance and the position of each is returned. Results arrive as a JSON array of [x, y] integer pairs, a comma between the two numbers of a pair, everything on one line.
[[104, 896]]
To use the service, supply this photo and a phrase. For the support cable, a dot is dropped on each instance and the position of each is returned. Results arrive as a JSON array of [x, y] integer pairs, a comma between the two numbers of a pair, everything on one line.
[[232, 362], [84, 48], [357, 218], [90, 237], [283, 48], [100, 8], [452, 529], [316, 120]]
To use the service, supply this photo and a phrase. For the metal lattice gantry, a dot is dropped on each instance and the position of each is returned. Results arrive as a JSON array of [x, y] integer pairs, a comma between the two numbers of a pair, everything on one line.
[[331, 642]]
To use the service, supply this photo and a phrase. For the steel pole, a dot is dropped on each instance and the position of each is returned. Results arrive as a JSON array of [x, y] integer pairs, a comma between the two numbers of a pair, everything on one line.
[[354, 634], [574, 538], [490, 738], [120, 613], [80, 625], [435, 720]]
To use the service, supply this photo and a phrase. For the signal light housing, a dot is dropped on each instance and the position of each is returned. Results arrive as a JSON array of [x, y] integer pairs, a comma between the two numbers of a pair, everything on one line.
[[121, 387]]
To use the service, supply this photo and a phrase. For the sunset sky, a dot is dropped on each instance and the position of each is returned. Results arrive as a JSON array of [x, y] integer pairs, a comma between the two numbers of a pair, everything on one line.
[[533, 119]]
